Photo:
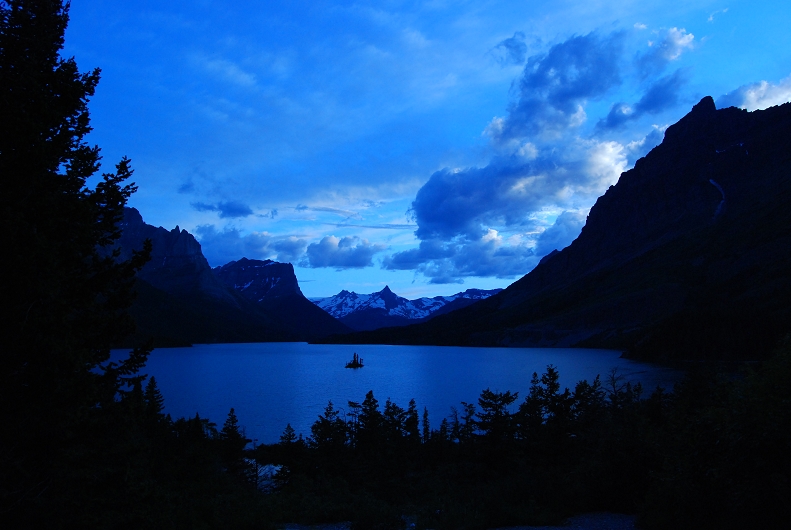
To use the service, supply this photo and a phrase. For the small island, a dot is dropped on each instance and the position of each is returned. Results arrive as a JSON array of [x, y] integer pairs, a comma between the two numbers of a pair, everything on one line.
[[356, 362]]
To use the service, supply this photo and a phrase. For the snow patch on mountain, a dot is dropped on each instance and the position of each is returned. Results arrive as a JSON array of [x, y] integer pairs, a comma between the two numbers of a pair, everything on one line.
[[346, 303]]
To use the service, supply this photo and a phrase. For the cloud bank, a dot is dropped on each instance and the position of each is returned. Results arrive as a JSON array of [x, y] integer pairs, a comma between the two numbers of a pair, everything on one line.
[[758, 96], [341, 253], [222, 246], [549, 165]]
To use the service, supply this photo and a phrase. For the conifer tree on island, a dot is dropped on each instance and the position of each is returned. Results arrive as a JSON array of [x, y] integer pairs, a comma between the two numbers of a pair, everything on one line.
[[64, 293]]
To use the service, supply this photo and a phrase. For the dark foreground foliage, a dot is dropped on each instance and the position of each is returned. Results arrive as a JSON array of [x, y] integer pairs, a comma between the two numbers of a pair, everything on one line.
[[85, 443], [711, 454], [82, 445]]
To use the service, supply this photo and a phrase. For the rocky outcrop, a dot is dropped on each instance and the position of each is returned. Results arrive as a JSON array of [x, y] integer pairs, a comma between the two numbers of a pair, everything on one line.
[[688, 255], [177, 264], [273, 288], [257, 280]]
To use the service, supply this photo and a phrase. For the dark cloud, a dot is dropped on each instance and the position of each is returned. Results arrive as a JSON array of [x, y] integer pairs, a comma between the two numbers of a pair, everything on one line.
[[556, 84], [186, 187], [219, 247], [229, 209], [451, 261], [660, 95], [513, 49], [343, 253]]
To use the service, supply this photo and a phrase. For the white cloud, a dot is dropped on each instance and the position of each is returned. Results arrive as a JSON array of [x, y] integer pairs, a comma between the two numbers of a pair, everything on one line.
[[229, 71], [759, 96], [606, 162]]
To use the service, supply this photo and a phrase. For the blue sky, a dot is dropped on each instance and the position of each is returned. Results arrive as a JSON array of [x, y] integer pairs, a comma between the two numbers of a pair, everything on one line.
[[430, 146]]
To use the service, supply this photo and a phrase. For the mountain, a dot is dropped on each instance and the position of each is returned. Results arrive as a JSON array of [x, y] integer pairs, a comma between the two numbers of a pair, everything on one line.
[[687, 256], [385, 309], [273, 287], [181, 301]]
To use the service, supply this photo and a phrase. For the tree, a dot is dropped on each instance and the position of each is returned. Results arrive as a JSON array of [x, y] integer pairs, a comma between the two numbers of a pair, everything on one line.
[[426, 426], [64, 292], [289, 436], [329, 431], [412, 423], [155, 403], [371, 423], [494, 419], [233, 441]]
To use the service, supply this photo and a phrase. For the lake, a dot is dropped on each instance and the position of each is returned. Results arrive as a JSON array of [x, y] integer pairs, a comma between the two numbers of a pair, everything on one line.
[[272, 384]]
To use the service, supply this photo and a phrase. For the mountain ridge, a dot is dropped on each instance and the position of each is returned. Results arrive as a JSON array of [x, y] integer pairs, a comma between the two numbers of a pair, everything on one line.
[[687, 256], [182, 301], [385, 309]]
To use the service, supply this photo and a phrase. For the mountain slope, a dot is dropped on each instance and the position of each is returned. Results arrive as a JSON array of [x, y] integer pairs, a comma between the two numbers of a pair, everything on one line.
[[274, 289], [688, 255], [181, 300], [384, 308]]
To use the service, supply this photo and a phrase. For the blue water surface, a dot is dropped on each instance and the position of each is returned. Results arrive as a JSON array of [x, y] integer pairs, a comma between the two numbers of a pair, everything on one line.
[[272, 384]]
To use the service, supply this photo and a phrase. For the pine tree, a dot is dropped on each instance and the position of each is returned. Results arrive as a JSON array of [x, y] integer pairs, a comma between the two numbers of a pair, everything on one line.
[[155, 403], [289, 436], [64, 292], [426, 426]]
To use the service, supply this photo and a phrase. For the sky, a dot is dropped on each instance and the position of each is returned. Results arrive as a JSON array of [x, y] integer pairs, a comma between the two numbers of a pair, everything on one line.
[[430, 146]]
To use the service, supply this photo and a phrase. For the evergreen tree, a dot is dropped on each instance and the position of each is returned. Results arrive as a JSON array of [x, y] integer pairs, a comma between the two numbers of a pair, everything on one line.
[[233, 442], [155, 403], [329, 431], [371, 422], [64, 292], [394, 418], [494, 419], [426, 426], [412, 423], [289, 436]]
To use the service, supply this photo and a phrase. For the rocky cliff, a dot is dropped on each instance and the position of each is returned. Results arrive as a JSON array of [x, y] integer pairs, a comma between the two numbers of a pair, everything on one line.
[[272, 287], [688, 255]]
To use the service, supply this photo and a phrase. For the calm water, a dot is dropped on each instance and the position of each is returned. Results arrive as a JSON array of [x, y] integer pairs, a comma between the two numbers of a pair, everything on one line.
[[272, 384]]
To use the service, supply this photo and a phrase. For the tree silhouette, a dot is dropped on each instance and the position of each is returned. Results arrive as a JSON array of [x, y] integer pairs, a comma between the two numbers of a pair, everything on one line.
[[64, 293]]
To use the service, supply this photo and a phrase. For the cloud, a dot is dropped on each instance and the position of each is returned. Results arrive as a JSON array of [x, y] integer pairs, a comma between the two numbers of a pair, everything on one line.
[[451, 261], [669, 47], [228, 209], [513, 49], [227, 71], [461, 213], [344, 253], [508, 191], [660, 95], [714, 14], [757, 96], [348, 214], [560, 235], [555, 86], [219, 247], [639, 148]]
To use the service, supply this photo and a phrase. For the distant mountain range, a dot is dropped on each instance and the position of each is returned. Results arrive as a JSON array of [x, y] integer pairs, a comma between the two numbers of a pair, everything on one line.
[[363, 312], [687, 256], [181, 300]]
